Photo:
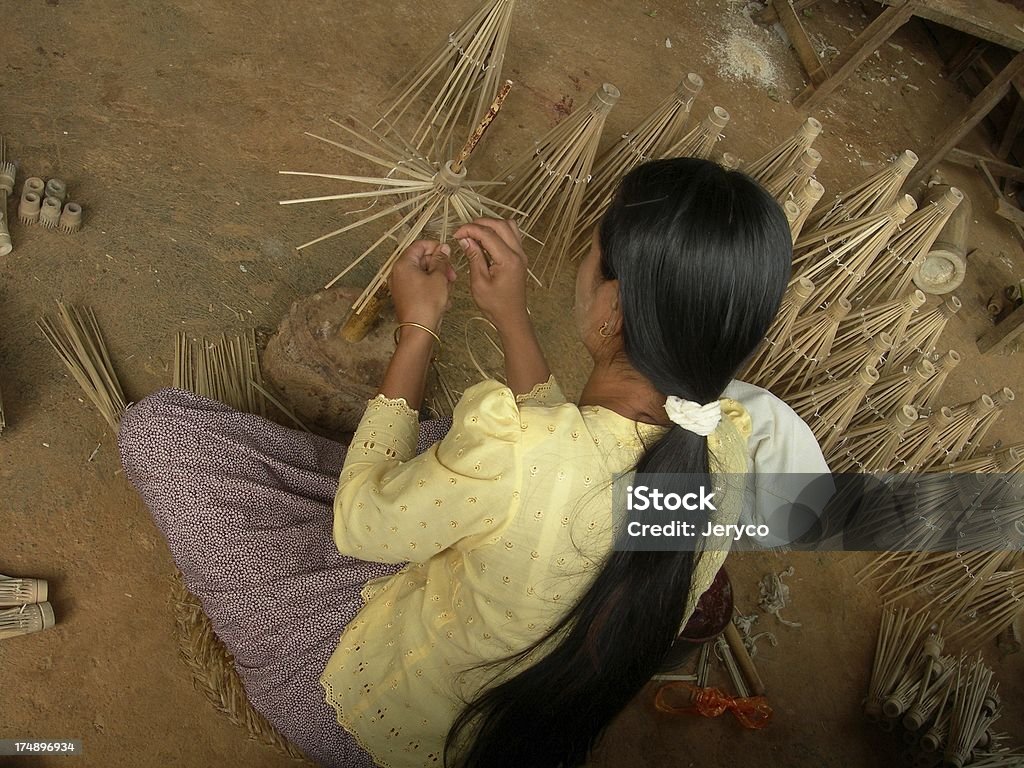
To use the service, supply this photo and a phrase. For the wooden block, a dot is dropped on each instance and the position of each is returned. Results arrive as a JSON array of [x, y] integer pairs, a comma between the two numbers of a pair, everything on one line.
[[1003, 332], [995, 167]]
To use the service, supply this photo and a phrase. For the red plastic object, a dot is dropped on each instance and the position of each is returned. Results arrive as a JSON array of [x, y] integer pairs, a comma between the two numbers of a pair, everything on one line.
[[682, 698]]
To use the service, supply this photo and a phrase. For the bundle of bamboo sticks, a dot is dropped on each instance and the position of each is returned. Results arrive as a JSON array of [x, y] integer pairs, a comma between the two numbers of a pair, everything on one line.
[[76, 337]]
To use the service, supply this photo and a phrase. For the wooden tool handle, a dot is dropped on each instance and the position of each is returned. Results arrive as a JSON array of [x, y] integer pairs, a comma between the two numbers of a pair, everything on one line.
[[746, 664], [358, 324]]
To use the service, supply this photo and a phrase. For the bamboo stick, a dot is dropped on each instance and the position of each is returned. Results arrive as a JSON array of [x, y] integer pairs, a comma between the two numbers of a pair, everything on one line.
[[897, 639]]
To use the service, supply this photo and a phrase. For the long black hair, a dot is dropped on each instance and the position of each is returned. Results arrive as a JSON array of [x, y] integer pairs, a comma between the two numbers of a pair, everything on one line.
[[702, 256]]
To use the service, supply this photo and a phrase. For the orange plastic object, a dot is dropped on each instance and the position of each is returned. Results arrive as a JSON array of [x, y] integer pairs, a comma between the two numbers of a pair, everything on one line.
[[683, 698]]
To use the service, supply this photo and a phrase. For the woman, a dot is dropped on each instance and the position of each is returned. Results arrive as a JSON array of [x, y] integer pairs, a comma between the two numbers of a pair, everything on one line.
[[516, 632]]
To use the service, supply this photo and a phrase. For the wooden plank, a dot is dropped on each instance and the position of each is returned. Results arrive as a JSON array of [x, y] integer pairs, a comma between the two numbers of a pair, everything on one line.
[[981, 106], [768, 15], [1009, 211], [1003, 332], [876, 33], [991, 20], [996, 167], [814, 67], [961, 63], [1013, 129]]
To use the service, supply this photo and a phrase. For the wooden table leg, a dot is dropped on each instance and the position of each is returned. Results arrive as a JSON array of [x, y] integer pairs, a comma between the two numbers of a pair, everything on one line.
[[877, 32], [981, 106], [816, 70]]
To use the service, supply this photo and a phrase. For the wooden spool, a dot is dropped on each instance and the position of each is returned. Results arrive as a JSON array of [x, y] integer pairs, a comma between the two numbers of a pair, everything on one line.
[[945, 265]]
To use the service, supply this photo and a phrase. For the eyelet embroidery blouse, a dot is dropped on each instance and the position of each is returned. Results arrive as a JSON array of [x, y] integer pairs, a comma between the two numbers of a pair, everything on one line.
[[503, 524]]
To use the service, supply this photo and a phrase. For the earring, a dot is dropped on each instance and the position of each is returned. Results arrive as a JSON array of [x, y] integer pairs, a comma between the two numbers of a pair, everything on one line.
[[603, 331]]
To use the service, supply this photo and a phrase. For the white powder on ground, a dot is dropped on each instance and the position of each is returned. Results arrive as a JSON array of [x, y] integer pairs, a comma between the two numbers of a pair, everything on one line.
[[742, 57]]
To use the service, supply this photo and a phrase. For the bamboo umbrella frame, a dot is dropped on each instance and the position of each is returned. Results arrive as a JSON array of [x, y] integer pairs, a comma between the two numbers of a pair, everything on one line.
[[828, 408], [655, 133], [837, 258], [552, 178], [898, 636], [465, 73], [966, 417], [923, 443], [906, 688], [892, 317], [892, 392], [998, 604], [909, 540], [777, 160], [805, 197], [8, 173], [792, 212], [792, 301], [891, 275], [76, 337], [923, 332], [428, 195], [841, 364], [872, 446], [700, 141], [1008, 460], [782, 186], [730, 162], [927, 396], [937, 672], [934, 737], [875, 193], [964, 727], [809, 341], [1001, 398]]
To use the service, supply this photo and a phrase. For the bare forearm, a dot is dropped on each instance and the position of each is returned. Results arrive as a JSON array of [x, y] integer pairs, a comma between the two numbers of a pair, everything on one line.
[[406, 375], [525, 366]]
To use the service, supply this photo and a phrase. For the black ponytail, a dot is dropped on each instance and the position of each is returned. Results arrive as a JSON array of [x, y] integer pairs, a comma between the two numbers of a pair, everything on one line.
[[702, 258]]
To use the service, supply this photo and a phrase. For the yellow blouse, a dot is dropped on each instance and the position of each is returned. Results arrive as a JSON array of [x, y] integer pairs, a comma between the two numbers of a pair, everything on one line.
[[503, 523]]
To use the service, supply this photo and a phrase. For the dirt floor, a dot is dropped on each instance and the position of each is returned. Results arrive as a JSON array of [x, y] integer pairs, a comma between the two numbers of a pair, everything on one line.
[[170, 120]]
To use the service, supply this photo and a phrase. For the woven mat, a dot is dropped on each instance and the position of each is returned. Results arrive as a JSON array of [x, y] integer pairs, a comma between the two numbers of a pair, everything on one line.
[[213, 671]]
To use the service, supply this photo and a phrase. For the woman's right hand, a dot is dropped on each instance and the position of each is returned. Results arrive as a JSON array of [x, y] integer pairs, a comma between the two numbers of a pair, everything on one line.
[[497, 270]]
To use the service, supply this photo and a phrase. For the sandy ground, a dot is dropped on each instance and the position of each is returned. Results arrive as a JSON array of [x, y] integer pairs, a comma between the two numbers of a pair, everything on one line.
[[170, 121]]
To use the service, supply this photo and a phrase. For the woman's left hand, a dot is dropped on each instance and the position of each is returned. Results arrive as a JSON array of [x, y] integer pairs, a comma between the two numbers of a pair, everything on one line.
[[420, 283]]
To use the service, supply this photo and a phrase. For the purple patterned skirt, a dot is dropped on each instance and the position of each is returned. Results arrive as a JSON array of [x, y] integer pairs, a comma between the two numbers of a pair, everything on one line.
[[246, 506]]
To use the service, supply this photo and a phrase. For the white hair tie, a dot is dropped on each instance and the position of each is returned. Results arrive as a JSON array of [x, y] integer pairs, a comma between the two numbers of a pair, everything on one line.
[[694, 417]]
